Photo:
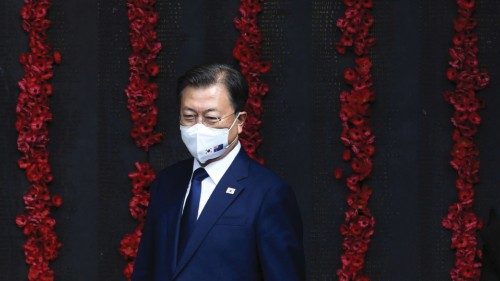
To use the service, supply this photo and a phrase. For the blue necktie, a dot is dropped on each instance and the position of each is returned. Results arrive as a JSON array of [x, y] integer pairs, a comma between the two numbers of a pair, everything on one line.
[[190, 214]]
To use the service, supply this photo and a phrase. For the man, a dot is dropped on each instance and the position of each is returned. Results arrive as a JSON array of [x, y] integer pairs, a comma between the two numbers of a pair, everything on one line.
[[220, 215]]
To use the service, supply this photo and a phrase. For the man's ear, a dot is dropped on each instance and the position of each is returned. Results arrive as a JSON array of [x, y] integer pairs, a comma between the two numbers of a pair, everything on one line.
[[241, 121]]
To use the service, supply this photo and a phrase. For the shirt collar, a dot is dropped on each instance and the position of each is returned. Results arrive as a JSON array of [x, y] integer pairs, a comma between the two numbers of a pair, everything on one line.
[[218, 168]]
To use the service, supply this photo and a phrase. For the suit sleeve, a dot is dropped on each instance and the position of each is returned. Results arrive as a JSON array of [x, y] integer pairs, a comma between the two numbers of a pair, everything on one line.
[[144, 262], [279, 236]]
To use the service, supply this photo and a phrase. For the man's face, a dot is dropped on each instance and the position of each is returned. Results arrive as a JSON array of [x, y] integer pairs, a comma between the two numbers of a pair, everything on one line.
[[211, 103]]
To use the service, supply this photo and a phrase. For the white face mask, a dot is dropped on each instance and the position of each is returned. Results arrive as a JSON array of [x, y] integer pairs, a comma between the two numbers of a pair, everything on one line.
[[206, 143]]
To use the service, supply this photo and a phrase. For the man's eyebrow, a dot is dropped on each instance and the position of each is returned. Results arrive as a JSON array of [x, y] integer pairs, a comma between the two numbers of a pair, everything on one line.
[[188, 108]]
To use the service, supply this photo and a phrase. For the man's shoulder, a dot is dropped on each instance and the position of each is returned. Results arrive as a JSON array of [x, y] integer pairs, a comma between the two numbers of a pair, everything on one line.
[[176, 168], [264, 175], [268, 184], [171, 174]]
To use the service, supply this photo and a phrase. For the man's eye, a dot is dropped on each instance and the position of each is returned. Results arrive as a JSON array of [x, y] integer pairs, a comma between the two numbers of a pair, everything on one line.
[[189, 117], [211, 119]]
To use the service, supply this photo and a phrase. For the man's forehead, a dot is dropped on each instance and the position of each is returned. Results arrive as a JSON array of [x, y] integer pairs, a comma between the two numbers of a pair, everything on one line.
[[212, 97], [212, 109], [215, 90]]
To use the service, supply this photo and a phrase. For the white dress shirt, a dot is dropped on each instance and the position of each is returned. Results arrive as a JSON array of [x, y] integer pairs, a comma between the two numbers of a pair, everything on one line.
[[215, 171]]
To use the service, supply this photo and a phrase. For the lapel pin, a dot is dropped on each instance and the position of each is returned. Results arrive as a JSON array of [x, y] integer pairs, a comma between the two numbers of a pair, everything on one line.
[[230, 190]]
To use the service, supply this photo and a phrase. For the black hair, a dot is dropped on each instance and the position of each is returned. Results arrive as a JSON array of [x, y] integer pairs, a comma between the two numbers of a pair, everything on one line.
[[211, 74]]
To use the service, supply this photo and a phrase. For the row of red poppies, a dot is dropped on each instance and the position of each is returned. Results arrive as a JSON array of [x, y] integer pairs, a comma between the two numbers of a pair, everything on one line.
[[464, 72], [357, 137], [33, 116], [141, 93]]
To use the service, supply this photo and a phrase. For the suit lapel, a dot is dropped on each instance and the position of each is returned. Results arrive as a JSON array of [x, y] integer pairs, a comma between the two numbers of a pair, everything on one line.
[[220, 199]]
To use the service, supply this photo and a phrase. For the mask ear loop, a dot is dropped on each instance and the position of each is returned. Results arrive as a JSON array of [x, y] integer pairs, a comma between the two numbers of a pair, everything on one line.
[[236, 138], [237, 115]]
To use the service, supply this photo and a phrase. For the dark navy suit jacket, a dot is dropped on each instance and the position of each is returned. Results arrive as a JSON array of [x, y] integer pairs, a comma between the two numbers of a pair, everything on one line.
[[253, 234]]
